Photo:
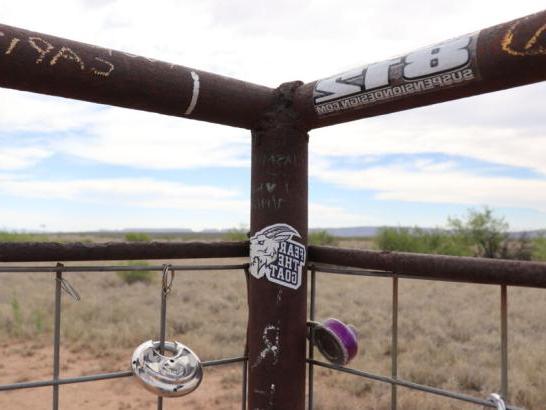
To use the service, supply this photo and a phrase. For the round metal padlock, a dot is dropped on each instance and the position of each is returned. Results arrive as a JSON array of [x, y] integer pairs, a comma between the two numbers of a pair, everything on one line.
[[164, 375], [336, 341], [497, 400]]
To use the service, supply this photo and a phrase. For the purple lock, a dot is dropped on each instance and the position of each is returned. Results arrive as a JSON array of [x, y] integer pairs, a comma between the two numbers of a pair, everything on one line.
[[337, 341]]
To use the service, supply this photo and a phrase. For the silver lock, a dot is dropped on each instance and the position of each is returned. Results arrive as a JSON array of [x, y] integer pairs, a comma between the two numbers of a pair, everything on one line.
[[164, 375], [497, 400]]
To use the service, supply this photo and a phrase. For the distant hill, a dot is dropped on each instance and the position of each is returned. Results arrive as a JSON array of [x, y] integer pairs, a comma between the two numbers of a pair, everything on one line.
[[360, 231], [530, 234], [370, 231], [347, 232]]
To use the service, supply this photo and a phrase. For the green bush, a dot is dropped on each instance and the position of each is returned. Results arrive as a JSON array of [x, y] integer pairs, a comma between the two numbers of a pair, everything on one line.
[[20, 237], [137, 237], [420, 241], [130, 277], [321, 237], [17, 315], [38, 317], [236, 235], [485, 232], [539, 249]]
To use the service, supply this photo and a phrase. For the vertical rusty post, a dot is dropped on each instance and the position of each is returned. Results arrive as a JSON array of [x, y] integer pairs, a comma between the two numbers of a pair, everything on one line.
[[277, 288]]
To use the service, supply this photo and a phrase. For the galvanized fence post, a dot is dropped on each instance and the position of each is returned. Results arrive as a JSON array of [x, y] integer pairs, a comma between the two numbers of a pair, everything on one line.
[[277, 289]]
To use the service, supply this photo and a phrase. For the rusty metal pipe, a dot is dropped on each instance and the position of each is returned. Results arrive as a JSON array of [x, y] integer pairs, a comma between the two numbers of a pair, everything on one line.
[[437, 267], [45, 64], [277, 281], [113, 251], [496, 58]]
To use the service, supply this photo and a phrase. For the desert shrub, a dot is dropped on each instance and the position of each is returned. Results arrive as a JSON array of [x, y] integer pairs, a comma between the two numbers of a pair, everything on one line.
[[418, 240], [236, 235], [481, 234], [520, 248], [485, 232], [38, 320], [130, 277], [539, 249], [321, 237], [17, 315], [137, 237], [20, 237]]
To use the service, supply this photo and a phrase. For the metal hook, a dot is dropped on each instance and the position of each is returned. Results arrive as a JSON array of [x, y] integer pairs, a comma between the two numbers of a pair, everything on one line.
[[497, 400], [69, 289], [166, 281], [65, 284]]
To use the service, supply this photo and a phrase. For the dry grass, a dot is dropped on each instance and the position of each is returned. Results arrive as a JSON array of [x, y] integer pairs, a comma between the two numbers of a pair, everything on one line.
[[448, 337]]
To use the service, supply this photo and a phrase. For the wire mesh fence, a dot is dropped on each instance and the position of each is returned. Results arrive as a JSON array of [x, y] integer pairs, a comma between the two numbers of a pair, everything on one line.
[[393, 379], [315, 268], [61, 284]]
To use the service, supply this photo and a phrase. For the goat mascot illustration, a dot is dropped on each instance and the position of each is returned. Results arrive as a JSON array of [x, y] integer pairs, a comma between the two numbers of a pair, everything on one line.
[[264, 247]]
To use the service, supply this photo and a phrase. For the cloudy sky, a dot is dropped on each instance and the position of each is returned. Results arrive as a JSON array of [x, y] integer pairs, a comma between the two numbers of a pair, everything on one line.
[[67, 165]]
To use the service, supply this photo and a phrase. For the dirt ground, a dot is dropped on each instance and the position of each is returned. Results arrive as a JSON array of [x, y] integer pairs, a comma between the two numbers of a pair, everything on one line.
[[118, 394]]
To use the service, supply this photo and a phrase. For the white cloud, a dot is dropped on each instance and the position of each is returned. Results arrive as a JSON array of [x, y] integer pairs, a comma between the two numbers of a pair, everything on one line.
[[269, 43], [143, 192], [505, 128], [113, 135], [324, 215], [150, 141], [27, 112], [415, 183], [12, 158]]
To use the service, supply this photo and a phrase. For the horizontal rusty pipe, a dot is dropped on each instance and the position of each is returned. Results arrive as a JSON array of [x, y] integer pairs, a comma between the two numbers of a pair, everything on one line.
[[437, 267], [112, 251], [434, 267], [496, 58], [45, 64]]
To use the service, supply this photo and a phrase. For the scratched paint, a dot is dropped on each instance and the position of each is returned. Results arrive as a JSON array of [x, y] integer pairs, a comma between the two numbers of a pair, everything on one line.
[[102, 68], [102, 73], [271, 346], [272, 202], [272, 396], [13, 43], [69, 55], [266, 186], [531, 48], [195, 93], [280, 159], [269, 394], [42, 52]]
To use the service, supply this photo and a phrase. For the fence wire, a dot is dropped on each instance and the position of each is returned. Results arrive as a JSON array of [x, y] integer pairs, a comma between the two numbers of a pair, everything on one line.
[[393, 380], [168, 272], [61, 284]]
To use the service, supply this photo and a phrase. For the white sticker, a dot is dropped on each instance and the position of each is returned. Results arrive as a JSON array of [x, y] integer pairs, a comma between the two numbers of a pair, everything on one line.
[[443, 65], [275, 255]]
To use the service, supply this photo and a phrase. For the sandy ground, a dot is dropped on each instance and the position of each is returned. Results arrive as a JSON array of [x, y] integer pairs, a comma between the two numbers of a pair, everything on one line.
[[220, 388]]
